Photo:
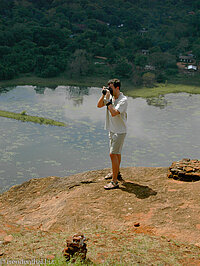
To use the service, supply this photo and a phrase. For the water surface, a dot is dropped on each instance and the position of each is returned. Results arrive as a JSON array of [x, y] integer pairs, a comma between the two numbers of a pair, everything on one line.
[[159, 132]]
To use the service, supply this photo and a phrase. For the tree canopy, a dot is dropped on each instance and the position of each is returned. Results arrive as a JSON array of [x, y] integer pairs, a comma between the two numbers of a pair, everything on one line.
[[47, 37]]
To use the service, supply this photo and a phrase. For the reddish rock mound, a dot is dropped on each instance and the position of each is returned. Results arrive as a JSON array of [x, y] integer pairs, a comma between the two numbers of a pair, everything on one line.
[[146, 197], [185, 170]]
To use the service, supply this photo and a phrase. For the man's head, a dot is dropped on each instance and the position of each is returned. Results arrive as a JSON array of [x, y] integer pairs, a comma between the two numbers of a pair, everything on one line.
[[116, 83]]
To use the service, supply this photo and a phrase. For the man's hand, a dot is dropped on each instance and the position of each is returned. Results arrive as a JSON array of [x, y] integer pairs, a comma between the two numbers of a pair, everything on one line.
[[108, 95], [104, 90], [100, 103]]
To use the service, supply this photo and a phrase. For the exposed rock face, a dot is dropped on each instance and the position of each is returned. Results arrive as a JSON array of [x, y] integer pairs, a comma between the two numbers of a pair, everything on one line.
[[185, 170]]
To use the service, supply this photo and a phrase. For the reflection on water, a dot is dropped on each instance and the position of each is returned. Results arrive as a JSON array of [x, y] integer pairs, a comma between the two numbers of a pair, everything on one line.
[[156, 136], [159, 101]]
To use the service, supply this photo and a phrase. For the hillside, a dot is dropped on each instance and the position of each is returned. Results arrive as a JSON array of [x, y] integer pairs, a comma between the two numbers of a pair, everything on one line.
[[85, 38], [150, 219]]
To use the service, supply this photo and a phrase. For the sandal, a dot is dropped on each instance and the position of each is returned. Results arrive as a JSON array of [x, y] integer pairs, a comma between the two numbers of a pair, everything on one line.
[[111, 185], [109, 176]]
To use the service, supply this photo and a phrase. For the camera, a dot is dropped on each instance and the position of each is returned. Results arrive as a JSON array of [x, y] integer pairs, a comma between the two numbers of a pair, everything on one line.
[[105, 90]]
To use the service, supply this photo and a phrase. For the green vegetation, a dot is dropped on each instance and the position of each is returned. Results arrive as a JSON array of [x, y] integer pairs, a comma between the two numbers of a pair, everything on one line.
[[162, 89], [27, 118], [62, 79], [109, 248], [139, 41], [175, 86]]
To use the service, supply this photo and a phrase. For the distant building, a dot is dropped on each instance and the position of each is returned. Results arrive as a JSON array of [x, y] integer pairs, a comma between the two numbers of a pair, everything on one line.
[[145, 52], [180, 65], [101, 60], [191, 55], [149, 67], [191, 13], [192, 68], [120, 26], [101, 57], [186, 58], [143, 31], [101, 22]]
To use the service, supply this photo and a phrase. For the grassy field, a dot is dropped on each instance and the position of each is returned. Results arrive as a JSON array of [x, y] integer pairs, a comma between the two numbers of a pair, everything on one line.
[[54, 82], [27, 118], [161, 89], [107, 248]]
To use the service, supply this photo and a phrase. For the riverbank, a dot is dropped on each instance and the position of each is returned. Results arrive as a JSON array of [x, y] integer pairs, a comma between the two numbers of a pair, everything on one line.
[[28, 118], [149, 220], [54, 82], [179, 84], [162, 89]]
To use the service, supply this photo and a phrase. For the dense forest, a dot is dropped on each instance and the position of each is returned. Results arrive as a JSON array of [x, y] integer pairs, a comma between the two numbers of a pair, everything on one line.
[[132, 39]]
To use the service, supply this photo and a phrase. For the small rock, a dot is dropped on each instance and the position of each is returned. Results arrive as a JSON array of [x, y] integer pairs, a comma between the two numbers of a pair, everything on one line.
[[8, 239], [2, 233], [197, 245], [136, 224]]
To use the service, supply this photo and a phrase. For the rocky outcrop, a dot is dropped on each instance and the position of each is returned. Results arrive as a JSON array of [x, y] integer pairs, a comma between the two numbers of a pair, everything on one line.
[[185, 170], [44, 212], [75, 248]]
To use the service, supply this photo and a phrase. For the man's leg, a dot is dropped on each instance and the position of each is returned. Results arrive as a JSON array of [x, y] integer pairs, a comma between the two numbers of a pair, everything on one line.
[[116, 143], [110, 175], [115, 159], [119, 159]]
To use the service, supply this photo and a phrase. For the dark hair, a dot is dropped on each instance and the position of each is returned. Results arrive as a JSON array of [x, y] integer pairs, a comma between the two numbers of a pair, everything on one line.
[[115, 82]]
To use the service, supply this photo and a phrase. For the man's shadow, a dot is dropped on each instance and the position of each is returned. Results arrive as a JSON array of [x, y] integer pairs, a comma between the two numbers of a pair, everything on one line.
[[141, 192]]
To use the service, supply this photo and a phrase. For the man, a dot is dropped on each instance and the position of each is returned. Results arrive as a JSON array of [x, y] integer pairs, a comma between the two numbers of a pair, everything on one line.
[[116, 118]]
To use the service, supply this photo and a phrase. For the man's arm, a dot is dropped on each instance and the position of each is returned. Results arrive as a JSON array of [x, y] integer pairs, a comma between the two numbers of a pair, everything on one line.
[[101, 101], [113, 111], [119, 108]]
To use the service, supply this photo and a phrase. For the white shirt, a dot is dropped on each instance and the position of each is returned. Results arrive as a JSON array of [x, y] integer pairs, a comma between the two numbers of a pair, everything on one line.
[[118, 123]]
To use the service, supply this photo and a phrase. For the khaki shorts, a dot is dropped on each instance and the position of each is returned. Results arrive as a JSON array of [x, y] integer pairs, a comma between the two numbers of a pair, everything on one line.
[[116, 142]]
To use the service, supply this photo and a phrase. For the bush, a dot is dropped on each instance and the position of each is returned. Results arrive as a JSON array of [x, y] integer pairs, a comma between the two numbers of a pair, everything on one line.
[[171, 72], [161, 78], [7, 72], [49, 72], [149, 79]]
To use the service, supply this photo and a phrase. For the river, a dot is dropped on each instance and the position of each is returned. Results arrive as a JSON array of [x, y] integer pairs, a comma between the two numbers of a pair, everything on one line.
[[159, 132]]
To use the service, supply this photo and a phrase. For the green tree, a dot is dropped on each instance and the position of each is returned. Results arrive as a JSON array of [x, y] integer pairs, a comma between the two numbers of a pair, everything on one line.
[[162, 60], [196, 51], [4, 50], [42, 35], [123, 68], [79, 65], [7, 72], [50, 71], [140, 60]]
